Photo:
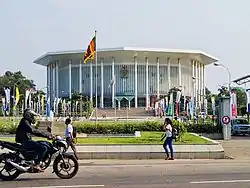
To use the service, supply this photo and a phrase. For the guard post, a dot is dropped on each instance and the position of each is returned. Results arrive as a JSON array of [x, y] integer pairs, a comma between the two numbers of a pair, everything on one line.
[[224, 117]]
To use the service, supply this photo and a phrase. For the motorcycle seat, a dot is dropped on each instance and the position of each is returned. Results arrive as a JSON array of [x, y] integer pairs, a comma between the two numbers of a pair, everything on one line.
[[12, 146]]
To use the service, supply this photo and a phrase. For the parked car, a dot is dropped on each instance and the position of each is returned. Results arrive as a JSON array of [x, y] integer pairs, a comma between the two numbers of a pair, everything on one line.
[[240, 126]]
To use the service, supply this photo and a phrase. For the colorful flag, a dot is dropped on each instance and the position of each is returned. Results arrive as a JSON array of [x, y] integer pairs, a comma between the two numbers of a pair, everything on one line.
[[90, 50], [17, 98], [42, 103]]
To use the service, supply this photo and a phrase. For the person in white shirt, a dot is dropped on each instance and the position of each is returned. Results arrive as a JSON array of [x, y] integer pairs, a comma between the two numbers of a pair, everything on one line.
[[69, 135], [169, 139]]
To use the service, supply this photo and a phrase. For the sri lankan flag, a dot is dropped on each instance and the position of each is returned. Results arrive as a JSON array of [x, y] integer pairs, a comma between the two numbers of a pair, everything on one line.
[[90, 51]]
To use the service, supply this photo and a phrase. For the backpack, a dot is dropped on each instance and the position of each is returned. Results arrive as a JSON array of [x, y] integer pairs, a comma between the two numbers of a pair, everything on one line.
[[174, 133]]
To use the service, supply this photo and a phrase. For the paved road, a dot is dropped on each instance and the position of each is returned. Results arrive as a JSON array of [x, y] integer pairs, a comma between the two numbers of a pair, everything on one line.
[[157, 174]]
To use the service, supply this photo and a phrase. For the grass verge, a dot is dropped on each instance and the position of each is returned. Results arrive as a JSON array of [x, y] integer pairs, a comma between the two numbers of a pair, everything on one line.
[[146, 138]]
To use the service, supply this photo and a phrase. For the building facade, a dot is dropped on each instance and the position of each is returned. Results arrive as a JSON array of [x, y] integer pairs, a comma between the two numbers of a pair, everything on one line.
[[126, 75]]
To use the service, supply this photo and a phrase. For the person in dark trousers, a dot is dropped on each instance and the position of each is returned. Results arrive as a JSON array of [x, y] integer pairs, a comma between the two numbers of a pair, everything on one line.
[[169, 139], [69, 135], [23, 137]]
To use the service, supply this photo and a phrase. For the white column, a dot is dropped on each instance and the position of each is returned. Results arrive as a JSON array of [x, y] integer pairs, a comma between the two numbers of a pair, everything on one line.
[[169, 73], [54, 80], [80, 77], [204, 87], [158, 76], [91, 83], [199, 81], [102, 85], [203, 83], [113, 85], [136, 102], [70, 65], [147, 95], [193, 76], [48, 83], [196, 83], [179, 72], [57, 79]]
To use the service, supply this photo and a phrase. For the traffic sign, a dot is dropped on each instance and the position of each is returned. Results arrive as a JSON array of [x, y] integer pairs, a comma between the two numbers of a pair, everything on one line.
[[225, 120]]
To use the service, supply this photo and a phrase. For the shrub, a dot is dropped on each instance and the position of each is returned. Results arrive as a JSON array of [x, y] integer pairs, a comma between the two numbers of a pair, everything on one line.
[[7, 126], [121, 127], [203, 128]]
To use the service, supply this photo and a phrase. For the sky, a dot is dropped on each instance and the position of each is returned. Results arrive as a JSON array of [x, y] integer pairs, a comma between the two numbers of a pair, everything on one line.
[[31, 28]]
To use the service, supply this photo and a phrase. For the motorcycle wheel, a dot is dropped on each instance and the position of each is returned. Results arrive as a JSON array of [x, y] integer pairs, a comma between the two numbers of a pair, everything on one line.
[[8, 168], [59, 166]]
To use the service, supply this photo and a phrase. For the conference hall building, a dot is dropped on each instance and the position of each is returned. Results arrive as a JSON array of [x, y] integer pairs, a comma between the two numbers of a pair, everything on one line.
[[131, 75]]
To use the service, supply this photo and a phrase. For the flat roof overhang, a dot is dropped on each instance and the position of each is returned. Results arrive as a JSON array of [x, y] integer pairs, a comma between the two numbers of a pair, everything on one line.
[[128, 52], [242, 80]]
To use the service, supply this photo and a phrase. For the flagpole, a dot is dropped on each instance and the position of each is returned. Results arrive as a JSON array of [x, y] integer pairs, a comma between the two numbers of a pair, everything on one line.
[[95, 80]]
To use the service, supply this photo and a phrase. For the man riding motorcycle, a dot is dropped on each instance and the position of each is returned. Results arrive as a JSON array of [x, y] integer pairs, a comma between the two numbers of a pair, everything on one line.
[[23, 137]]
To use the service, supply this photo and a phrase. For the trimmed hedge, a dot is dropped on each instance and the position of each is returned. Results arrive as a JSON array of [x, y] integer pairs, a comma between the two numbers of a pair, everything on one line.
[[204, 128], [121, 127]]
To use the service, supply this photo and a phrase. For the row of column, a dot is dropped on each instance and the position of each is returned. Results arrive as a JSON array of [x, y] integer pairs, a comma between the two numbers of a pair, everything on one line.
[[53, 80], [199, 89], [197, 74]]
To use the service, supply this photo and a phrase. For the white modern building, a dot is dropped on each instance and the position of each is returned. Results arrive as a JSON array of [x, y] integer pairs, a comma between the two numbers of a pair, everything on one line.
[[139, 73]]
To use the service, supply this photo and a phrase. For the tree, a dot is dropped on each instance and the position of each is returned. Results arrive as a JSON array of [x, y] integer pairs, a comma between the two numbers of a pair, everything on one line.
[[15, 79]]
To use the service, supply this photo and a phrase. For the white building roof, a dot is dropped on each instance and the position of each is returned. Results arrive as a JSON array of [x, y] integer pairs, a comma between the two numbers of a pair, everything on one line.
[[207, 59]]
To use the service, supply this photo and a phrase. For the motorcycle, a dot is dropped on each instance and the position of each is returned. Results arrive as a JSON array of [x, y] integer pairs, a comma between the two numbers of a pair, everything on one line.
[[20, 160]]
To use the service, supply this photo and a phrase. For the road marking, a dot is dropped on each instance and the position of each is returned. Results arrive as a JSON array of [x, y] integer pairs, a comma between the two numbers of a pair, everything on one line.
[[219, 181], [64, 186]]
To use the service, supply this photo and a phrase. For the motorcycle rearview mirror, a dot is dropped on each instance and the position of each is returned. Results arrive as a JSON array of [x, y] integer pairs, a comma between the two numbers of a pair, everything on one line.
[[49, 129]]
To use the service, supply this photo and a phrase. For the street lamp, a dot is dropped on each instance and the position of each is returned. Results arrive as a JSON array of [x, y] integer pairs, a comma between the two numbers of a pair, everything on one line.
[[228, 128], [229, 74]]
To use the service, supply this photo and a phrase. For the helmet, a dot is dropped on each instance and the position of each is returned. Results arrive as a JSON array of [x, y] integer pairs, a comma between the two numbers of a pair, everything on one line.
[[30, 115]]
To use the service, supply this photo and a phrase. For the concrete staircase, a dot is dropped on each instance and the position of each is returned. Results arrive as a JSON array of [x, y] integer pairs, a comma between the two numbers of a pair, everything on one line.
[[122, 113]]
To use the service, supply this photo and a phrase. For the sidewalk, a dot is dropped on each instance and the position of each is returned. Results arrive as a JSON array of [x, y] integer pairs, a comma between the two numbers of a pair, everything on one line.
[[212, 151], [237, 149]]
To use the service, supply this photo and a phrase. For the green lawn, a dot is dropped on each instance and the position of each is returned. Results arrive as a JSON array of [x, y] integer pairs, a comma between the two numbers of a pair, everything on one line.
[[146, 138]]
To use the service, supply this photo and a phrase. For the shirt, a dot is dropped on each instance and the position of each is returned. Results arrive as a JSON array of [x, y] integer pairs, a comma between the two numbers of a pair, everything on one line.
[[168, 130], [69, 129]]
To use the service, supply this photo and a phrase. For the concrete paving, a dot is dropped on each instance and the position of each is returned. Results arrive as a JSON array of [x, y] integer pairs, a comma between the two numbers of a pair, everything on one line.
[[171, 174], [238, 147], [211, 151]]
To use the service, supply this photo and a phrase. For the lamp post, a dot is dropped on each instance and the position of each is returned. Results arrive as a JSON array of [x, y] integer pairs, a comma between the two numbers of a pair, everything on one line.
[[227, 129], [229, 74]]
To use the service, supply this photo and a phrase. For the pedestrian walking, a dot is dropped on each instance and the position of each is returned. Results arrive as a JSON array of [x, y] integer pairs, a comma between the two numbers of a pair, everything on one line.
[[169, 139], [69, 134]]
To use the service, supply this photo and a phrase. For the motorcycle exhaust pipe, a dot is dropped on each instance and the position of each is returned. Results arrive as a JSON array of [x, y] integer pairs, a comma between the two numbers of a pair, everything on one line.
[[18, 167]]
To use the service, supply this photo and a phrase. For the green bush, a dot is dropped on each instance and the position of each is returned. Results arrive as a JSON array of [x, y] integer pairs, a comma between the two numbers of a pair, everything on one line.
[[203, 128], [7, 126], [122, 127]]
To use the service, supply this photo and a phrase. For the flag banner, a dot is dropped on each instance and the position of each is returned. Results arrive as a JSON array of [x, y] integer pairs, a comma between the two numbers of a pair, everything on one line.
[[205, 107], [7, 95], [166, 103], [170, 105], [178, 96], [27, 94], [248, 101], [213, 104], [3, 106], [42, 103], [89, 55], [191, 107], [233, 105], [17, 98]]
